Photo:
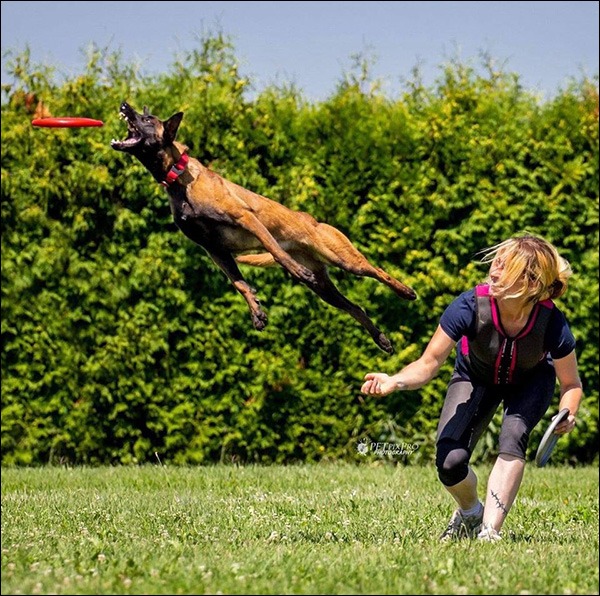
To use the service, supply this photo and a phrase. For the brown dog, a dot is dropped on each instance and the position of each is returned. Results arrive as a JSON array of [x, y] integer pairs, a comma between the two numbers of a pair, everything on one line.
[[231, 222]]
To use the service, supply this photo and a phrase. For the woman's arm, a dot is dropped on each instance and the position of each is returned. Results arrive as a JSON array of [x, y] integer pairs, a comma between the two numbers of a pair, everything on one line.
[[417, 373], [570, 390]]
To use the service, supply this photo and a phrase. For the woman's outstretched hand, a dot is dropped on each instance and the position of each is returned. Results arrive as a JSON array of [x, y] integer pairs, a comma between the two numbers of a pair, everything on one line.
[[378, 384]]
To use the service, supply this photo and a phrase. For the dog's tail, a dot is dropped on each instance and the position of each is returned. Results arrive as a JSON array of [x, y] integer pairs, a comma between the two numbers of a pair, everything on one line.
[[264, 259]]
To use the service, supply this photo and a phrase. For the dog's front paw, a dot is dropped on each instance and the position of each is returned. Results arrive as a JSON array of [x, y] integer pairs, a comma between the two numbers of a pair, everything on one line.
[[259, 320], [306, 276]]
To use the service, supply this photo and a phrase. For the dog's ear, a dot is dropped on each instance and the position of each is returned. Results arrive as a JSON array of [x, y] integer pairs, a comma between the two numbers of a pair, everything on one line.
[[171, 125]]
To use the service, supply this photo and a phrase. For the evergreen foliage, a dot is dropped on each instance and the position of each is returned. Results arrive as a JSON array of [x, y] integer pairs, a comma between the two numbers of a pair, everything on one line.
[[122, 340]]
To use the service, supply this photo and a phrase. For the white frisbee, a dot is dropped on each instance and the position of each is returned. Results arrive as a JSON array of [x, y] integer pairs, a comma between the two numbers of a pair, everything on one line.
[[549, 439]]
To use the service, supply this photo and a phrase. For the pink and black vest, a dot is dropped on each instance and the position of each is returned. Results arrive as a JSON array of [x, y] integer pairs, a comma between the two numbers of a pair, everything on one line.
[[494, 357]]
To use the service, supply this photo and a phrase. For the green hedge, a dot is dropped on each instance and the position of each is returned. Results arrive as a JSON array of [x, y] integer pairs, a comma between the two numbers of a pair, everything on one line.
[[121, 340]]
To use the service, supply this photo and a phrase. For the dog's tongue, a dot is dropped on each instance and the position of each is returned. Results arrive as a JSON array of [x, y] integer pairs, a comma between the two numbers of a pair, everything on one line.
[[133, 138]]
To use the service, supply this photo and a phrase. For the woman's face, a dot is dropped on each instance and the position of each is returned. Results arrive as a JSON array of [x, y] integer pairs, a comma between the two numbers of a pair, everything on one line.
[[496, 271]]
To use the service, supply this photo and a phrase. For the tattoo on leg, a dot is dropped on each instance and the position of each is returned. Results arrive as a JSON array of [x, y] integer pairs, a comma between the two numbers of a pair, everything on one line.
[[499, 503]]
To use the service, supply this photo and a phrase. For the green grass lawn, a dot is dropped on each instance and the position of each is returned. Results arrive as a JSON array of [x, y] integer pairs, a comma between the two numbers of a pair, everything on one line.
[[314, 529]]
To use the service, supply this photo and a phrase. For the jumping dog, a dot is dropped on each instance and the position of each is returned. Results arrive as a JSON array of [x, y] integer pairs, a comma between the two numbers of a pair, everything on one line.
[[235, 225]]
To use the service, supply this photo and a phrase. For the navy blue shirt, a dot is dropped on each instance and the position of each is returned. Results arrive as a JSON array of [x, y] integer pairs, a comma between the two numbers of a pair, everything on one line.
[[458, 320]]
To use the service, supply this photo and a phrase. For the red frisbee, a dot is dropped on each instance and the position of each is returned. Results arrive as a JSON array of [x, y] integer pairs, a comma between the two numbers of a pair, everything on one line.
[[66, 122]]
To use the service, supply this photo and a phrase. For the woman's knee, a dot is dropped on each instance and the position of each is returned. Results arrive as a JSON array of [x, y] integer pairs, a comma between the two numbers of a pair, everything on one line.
[[452, 462], [514, 436]]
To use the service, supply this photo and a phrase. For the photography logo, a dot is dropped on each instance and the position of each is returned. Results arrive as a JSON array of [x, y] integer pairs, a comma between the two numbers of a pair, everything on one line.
[[364, 446]]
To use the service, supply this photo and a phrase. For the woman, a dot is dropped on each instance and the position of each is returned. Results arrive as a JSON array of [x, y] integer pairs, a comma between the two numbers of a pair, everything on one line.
[[512, 344]]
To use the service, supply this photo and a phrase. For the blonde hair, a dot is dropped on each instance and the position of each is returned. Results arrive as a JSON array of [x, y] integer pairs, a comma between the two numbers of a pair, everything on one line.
[[532, 259]]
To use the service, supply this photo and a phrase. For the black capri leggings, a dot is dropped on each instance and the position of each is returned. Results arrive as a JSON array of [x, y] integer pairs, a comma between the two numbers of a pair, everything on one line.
[[469, 408]]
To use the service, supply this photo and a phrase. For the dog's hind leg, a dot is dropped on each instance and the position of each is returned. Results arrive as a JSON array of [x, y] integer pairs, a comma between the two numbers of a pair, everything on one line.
[[326, 290], [263, 259], [228, 265], [337, 249]]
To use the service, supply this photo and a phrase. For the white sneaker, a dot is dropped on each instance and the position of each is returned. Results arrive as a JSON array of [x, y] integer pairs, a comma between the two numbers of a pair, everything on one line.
[[462, 526], [488, 534]]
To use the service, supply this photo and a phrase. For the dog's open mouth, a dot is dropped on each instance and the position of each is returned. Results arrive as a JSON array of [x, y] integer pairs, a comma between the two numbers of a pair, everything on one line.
[[133, 135]]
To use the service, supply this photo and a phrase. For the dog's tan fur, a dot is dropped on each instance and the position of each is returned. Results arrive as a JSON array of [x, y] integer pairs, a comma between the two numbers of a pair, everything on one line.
[[233, 224]]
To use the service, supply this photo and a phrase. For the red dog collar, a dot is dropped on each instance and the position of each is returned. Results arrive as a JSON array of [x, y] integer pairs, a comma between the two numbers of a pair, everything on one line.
[[176, 170]]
